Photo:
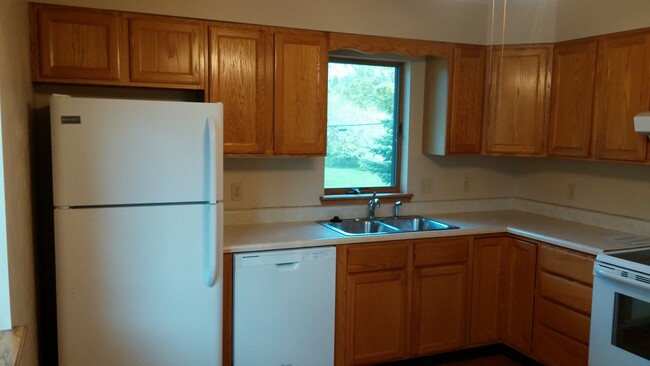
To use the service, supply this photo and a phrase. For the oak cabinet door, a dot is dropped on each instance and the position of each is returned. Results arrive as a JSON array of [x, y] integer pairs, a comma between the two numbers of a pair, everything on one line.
[[503, 292], [518, 297], [300, 123], [440, 294], [376, 317], [517, 100], [439, 308], [167, 50], [241, 77], [76, 44], [486, 287], [574, 65], [622, 90], [465, 129]]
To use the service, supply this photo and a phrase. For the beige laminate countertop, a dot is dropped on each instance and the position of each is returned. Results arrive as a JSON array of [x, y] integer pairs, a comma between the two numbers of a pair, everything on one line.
[[584, 238]]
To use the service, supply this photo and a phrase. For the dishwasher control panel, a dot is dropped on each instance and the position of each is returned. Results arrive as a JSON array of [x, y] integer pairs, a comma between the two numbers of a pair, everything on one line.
[[284, 256]]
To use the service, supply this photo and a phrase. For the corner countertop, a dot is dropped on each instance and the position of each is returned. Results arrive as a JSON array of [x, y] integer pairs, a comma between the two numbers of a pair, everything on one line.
[[11, 344], [584, 238]]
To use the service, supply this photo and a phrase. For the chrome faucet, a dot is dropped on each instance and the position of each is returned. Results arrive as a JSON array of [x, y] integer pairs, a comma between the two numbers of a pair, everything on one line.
[[396, 207], [372, 205]]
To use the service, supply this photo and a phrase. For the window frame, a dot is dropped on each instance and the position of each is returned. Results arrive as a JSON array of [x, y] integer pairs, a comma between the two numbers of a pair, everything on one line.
[[398, 117]]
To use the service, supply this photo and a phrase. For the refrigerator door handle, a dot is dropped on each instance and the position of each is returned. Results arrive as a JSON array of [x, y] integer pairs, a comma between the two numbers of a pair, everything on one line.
[[212, 168], [215, 159], [212, 248]]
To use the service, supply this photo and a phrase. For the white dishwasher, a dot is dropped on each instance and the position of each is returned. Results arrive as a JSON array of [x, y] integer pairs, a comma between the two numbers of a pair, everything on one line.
[[283, 307]]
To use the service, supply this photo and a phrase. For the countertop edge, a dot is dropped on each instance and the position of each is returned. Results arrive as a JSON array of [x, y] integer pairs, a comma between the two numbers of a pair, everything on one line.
[[584, 238], [12, 342]]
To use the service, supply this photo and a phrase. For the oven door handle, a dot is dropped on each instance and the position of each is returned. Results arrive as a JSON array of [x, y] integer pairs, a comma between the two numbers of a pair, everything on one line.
[[605, 272]]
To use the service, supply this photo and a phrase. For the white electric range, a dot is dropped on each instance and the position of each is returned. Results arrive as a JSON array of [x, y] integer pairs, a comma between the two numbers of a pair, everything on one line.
[[620, 316]]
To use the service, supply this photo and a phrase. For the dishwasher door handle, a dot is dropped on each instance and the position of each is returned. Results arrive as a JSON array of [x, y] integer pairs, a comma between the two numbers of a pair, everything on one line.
[[289, 266]]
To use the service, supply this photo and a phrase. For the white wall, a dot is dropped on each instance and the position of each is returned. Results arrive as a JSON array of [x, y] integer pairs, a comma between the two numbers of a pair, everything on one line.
[[618, 189], [443, 20], [540, 21], [522, 21], [15, 88], [582, 18]]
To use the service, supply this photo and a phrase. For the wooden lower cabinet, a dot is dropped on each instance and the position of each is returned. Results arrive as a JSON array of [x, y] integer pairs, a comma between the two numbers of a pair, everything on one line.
[[408, 298], [486, 285], [563, 307], [503, 292], [226, 342], [376, 316], [440, 293], [401, 299], [518, 296], [373, 287]]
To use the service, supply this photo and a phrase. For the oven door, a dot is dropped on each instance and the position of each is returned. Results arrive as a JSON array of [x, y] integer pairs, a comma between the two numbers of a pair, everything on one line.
[[620, 317]]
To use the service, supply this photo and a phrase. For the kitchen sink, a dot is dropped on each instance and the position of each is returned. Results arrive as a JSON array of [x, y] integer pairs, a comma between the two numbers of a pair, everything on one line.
[[359, 227], [417, 223], [386, 225]]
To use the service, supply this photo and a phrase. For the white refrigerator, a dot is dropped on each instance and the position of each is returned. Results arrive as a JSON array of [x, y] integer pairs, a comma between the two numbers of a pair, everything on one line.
[[138, 217]]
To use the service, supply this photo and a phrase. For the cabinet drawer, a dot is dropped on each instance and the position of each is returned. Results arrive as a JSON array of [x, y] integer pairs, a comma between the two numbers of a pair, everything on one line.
[[569, 293], [563, 320], [552, 349], [574, 266], [441, 251], [374, 257]]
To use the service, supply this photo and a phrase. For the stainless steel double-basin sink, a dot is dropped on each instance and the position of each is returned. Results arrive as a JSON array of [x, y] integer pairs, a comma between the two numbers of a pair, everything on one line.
[[385, 225]]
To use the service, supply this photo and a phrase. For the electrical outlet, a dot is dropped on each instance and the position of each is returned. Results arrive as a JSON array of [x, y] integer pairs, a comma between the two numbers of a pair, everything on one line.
[[236, 192], [571, 191], [426, 185], [467, 184]]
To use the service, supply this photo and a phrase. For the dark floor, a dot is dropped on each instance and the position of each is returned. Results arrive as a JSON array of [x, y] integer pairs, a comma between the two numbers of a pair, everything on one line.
[[497, 355]]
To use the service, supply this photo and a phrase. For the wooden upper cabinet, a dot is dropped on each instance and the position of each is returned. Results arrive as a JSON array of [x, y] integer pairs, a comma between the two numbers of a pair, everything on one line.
[[300, 122], [517, 102], [87, 46], [76, 45], [574, 65], [167, 50], [622, 90], [241, 77], [453, 102], [465, 127]]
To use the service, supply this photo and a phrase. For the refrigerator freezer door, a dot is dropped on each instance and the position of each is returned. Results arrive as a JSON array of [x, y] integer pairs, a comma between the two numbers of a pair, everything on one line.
[[131, 286], [116, 152]]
